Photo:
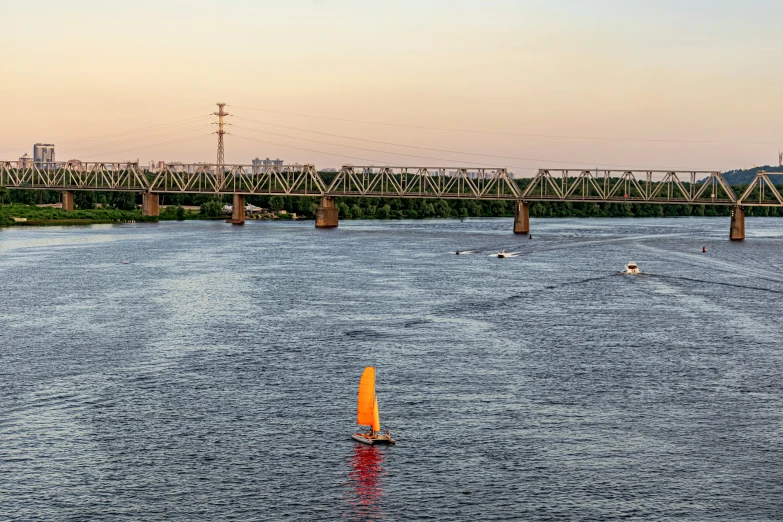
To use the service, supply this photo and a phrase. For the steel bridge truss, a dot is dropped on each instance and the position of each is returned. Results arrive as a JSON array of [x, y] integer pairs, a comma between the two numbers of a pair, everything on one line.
[[424, 182], [302, 180], [616, 186], [762, 192], [630, 186], [299, 180]]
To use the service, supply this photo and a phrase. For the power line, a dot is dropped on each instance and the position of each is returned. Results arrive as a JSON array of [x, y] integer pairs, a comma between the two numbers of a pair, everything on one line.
[[376, 162], [582, 163], [368, 150], [117, 134], [98, 122], [372, 161], [517, 134], [134, 131], [192, 138], [140, 138]]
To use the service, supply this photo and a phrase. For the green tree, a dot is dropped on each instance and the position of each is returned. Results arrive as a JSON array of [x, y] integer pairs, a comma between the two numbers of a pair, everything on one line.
[[3, 192], [343, 211], [212, 208], [180, 213], [304, 207], [276, 203], [83, 199], [124, 200]]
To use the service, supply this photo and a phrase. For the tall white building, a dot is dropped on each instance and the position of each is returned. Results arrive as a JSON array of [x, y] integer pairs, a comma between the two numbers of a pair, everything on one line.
[[259, 165], [43, 152]]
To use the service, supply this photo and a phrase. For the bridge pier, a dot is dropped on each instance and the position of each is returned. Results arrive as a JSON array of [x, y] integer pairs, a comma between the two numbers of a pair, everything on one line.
[[66, 200], [238, 210], [737, 231], [326, 215], [150, 204], [521, 218]]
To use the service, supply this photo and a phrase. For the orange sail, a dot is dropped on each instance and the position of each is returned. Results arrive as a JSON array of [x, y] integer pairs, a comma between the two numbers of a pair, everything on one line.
[[364, 415], [376, 417]]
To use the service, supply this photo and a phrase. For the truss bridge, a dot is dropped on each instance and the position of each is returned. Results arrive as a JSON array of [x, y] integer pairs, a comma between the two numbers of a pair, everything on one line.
[[547, 185]]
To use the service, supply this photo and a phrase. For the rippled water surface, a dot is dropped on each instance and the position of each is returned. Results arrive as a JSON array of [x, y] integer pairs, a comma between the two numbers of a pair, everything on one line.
[[214, 376]]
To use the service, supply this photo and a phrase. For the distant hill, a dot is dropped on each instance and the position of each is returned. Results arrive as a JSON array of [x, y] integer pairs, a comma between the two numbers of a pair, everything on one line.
[[745, 176]]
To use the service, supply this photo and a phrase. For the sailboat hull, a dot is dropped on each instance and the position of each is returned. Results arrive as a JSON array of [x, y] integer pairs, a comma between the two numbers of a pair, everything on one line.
[[377, 439]]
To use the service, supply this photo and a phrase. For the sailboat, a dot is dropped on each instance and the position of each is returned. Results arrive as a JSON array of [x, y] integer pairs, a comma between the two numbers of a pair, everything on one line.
[[367, 412]]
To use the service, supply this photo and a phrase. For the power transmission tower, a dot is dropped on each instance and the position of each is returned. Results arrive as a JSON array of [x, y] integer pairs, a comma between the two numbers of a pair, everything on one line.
[[221, 132]]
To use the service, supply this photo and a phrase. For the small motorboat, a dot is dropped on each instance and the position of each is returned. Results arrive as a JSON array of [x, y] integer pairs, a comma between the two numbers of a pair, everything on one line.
[[631, 268], [367, 412], [505, 255]]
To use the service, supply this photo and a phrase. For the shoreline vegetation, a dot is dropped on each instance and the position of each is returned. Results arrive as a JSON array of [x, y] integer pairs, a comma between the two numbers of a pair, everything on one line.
[[20, 207]]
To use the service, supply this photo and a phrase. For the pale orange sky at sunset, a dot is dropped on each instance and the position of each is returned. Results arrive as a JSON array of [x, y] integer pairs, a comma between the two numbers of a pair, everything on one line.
[[686, 85]]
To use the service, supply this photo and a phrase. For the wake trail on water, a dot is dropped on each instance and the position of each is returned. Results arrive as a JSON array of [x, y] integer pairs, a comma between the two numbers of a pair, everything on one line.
[[718, 264], [524, 249], [582, 281], [733, 285]]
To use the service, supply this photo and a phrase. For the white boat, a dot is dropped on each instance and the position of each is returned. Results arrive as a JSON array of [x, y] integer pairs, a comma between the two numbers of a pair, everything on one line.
[[367, 412], [631, 268]]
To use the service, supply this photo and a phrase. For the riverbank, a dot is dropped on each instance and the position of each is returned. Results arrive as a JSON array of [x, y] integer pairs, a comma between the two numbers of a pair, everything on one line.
[[47, 215], [370, 208], [31, 215]]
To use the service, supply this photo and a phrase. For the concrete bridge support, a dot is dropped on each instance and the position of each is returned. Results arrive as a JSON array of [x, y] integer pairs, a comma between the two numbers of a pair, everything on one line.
[[67, 200], [150, 204], [326, 215], [737, 232], [238, 212], [521, 218]]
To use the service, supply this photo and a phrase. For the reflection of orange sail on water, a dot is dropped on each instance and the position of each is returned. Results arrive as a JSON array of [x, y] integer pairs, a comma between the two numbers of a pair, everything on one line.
[[365, 500]]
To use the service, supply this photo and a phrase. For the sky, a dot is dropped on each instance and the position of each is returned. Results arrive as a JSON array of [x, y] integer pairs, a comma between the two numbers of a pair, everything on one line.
[[525, 84]]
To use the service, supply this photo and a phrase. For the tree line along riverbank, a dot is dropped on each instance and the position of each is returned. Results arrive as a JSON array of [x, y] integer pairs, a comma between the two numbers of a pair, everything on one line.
[[112, 207]]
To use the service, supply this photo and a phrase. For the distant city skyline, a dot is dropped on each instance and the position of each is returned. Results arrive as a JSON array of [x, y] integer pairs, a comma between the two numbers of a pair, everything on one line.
[[521, 85]]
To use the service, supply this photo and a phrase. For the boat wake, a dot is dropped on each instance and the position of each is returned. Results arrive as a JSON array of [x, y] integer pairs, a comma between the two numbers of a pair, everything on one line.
[[733, 285], [464, 252], [582, 281]]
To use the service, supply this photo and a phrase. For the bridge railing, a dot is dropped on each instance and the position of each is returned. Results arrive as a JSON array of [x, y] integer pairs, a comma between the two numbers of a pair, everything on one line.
[[689, 187], [301, 180]]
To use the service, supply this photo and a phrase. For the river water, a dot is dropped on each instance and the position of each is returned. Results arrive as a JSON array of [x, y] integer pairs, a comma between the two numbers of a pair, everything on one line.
[[214, 376]]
